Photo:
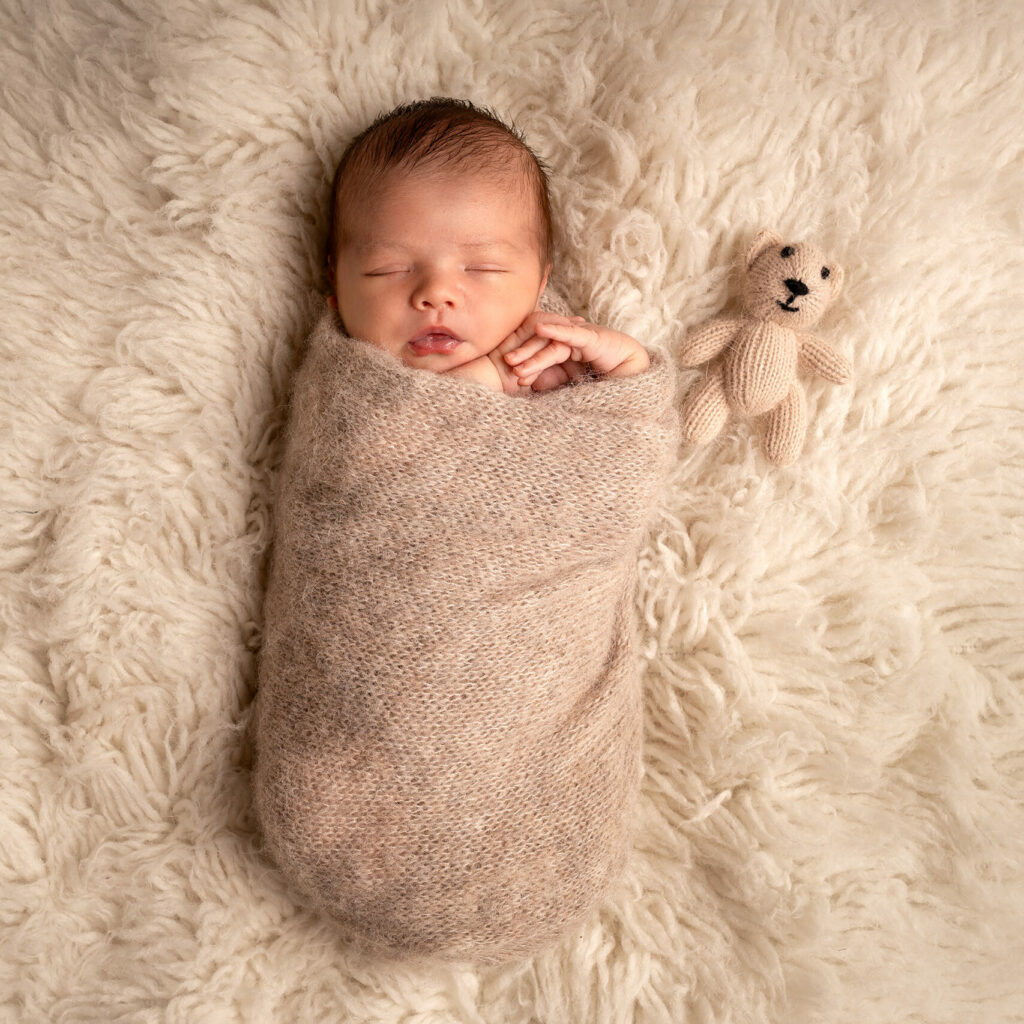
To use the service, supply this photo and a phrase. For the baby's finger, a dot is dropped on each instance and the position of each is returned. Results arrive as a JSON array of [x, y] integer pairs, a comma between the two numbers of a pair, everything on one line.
[[525, 331], [527, 349], [578, 336], [574, 370], [552, 377], [552, 353]]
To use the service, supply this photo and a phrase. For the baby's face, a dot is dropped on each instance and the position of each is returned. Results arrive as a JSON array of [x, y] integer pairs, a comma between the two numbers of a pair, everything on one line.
[[439, 268]]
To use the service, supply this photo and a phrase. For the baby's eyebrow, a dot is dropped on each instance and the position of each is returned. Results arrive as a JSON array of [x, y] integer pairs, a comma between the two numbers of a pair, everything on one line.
[[375, 245], [497, 243], [383, 244]]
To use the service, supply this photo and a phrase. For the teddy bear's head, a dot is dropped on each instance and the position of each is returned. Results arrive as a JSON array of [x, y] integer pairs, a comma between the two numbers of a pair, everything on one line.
[[789, 283]]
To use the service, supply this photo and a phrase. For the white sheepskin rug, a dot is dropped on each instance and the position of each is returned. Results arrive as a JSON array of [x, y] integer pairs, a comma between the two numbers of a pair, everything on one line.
[[832, 822]]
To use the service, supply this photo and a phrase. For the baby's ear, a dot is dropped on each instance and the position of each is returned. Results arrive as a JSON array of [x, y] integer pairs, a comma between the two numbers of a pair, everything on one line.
[[332, 300], [764, 239]]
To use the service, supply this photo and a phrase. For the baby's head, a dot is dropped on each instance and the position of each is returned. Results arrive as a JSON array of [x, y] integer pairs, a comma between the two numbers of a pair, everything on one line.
[[440, 234]]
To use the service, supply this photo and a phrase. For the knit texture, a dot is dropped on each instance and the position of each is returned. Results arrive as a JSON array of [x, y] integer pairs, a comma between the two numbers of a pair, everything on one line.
[[786, 287], [449, 719]]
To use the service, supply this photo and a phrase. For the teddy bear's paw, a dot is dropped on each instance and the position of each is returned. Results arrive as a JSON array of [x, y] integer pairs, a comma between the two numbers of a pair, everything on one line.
[[707, 341], [706, 411], [822, 359], [786, 428]]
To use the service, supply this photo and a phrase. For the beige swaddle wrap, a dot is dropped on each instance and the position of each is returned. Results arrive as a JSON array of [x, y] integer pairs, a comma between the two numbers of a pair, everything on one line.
[[448, 723]]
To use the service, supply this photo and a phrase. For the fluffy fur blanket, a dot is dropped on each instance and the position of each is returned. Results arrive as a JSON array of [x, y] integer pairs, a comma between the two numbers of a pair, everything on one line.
[[449, 710], [830, 822]]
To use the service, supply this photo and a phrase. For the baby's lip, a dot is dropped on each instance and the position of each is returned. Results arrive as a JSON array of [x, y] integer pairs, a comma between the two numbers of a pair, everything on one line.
[[436, 338]]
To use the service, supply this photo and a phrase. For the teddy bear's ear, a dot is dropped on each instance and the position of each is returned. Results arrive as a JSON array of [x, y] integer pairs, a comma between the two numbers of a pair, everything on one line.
[[764, 239]]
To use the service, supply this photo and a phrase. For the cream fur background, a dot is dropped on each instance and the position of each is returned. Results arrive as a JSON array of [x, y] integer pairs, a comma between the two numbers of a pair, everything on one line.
[[832, 826]]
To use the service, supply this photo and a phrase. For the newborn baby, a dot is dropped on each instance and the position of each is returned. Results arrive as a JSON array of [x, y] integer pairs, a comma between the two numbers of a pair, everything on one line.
[[449, 715], [440, 249]]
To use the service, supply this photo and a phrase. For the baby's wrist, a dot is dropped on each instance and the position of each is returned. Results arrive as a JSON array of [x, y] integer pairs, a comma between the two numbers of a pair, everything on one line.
[[635, 361]]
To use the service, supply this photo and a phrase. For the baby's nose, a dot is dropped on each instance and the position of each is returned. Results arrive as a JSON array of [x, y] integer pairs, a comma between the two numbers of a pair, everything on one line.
[[797, 287], [435, 292]]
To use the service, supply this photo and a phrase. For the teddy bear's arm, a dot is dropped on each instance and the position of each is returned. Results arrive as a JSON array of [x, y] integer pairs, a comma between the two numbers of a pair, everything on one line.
[[821, 358], [707, 341]]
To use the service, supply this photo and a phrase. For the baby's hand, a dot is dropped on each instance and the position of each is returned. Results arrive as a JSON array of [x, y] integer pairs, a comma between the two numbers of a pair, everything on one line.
[[548, 350]]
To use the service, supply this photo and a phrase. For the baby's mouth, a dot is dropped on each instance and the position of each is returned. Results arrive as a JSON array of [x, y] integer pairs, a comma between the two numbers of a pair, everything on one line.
[[433, 340]]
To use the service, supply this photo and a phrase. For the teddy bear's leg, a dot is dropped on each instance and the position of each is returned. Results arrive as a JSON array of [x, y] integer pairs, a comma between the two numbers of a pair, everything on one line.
[[705, 412], [787, 426]]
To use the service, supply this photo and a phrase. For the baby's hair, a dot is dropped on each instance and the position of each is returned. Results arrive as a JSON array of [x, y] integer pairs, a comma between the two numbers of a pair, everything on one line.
[[435, 133]]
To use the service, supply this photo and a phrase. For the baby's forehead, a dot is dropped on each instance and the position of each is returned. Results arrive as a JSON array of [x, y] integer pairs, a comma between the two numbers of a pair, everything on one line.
[[404, 201], [504, 198], [454, 180]]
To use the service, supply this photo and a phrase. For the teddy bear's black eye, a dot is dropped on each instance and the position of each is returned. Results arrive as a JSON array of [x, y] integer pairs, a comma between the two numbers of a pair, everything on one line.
[[825, 272], [786, 252]]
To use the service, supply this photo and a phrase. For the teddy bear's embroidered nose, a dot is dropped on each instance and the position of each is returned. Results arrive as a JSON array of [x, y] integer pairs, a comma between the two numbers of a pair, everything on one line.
[[795, 286]]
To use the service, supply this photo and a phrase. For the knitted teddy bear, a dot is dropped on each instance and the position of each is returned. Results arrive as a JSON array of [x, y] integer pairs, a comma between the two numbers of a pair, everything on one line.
[[787, 287]]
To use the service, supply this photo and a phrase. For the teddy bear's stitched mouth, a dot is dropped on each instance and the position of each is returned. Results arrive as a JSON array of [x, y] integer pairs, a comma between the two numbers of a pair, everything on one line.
[[786, 305]]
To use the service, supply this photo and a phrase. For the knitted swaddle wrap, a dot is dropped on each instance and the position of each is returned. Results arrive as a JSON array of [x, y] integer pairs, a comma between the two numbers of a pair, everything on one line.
[[448, 723]]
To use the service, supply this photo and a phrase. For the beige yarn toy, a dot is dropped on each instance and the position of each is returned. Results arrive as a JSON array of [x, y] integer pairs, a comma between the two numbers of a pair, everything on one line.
[[787, 287]]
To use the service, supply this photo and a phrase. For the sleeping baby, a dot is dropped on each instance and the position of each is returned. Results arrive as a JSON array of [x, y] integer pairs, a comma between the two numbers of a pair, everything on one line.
[[448, 718], [440, 248]]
